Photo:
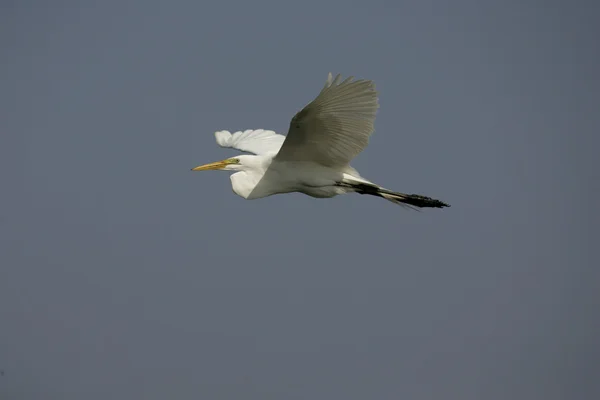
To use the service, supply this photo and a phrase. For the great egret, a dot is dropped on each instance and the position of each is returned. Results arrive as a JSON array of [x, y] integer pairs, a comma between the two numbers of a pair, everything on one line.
[[315, 155]]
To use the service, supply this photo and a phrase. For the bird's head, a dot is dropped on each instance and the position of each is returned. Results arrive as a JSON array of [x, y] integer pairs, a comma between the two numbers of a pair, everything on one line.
[[238, 163], [229, 164]]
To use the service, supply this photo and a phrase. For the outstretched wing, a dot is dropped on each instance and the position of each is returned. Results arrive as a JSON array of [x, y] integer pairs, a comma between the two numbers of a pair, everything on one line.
[[257, 141], [335, 127]]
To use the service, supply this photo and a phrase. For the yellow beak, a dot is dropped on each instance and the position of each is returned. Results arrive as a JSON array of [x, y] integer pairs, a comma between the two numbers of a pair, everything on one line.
[[212, 166]]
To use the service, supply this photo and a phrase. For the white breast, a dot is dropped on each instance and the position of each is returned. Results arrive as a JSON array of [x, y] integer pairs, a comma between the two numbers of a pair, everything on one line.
[[243, 183]]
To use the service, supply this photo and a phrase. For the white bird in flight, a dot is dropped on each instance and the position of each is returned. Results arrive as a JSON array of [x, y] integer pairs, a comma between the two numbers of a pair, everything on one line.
[[314, 158]]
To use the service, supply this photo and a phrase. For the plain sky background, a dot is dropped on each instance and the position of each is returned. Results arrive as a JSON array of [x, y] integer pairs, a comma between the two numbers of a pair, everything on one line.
[[123, 275]]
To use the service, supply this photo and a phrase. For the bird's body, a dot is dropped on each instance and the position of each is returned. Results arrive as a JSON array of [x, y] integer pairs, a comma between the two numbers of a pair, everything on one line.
[[268, 176], [285, 177], [314, 158]]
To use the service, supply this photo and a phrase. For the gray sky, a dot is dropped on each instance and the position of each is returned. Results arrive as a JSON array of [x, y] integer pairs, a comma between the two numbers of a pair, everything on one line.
[[124, 275]]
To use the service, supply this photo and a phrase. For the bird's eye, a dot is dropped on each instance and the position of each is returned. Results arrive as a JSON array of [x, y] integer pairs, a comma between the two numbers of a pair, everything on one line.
[[234, 161]]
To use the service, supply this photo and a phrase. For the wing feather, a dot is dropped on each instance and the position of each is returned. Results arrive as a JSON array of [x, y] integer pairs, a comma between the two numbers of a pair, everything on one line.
[[259, 141], [335, 127]]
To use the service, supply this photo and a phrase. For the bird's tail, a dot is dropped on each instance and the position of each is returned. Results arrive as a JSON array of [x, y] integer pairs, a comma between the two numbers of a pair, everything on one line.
[[410, 200]]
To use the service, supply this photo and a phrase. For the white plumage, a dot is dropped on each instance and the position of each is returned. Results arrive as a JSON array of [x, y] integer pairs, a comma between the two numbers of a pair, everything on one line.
[[259, 141], [314, 158]]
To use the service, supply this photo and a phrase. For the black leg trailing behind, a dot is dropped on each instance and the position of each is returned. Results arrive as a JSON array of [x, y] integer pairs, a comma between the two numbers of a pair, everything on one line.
[[414, 200]]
